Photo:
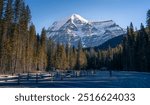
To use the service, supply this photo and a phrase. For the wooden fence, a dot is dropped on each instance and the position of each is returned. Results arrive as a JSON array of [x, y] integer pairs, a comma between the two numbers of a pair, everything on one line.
[[27, 78], [36, 78]]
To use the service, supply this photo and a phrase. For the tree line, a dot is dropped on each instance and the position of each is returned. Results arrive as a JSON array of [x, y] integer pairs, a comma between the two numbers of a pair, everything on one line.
[[22, 50], [133, 54], [66, 57], [136, 47]]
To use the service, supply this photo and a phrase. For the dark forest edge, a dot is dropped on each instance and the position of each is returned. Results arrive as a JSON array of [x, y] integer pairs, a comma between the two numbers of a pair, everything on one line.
[[23, 51]]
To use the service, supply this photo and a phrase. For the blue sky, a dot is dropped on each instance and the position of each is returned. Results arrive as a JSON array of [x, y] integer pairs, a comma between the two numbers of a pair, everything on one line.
[[45, 12]]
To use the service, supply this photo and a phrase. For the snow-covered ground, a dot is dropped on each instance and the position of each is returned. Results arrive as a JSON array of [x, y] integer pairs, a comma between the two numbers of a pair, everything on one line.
[[100, 79]]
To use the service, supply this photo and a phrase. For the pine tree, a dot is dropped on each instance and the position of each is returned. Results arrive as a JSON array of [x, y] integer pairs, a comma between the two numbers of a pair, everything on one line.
[[148, 18], [17, 10], [6, 38], [32, 48], [81, 57], [72, 58], [137, 51], [24, 23], [148, 46], [78, 64], [1, 32], [49, 55], [60, 57], [125, 51], [92, 61], [9, 14], [38, 50], [15, 49], [1, 8], [20, 36], [131, 49], [67, 55], [43, 50], [144, 41]]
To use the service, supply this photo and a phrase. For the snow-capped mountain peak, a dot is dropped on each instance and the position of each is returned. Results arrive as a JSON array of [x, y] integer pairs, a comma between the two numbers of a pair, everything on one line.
[[74, 18], [76, 28], [78, 17]]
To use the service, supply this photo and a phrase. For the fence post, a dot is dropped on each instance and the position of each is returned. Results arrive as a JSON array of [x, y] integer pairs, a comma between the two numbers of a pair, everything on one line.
[[36, 78], [50, 77], [76, 74], [61, 77], [18, 79], [28, 77], [5, 78], [110, 73]]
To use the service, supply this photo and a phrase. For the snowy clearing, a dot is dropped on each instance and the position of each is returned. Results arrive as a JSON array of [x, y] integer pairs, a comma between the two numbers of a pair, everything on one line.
[[100, 79]]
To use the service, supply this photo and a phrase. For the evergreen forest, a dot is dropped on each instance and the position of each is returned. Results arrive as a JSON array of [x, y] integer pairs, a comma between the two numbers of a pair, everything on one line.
[[22, 50]]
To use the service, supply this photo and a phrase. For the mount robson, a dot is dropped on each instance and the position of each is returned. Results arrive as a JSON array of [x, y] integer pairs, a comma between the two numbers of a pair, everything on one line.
[[91, 33]]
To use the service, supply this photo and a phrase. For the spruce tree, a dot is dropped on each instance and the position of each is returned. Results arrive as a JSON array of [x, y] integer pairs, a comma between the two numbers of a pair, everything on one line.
[[72, 58], [38, 50], [148, 34], [125, 51], [32, 48], [81, 57], [131, 49], [17, 10], [148, 18], [43, 50], [144, 41], [1, 8], [67, 49], [78, 64]]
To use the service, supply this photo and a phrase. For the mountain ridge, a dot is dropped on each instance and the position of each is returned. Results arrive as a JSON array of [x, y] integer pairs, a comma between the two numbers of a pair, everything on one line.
[[77, 28]]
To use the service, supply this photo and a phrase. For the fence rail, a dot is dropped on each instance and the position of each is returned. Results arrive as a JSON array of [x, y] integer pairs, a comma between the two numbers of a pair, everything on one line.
[[27, 78], [36, 78]]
